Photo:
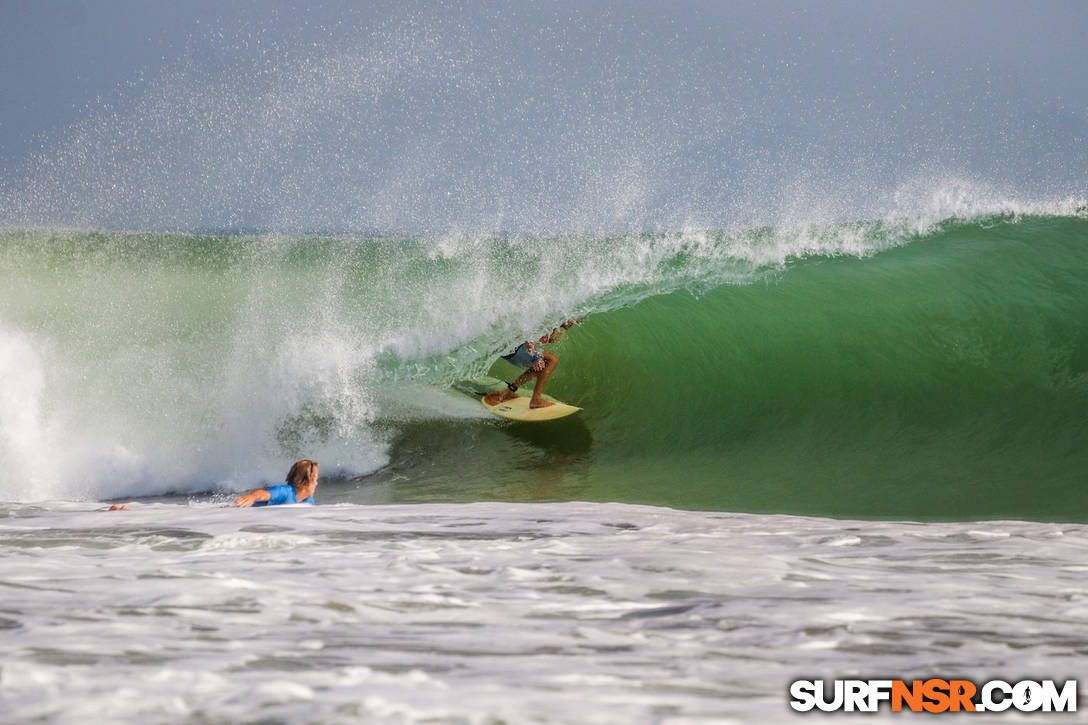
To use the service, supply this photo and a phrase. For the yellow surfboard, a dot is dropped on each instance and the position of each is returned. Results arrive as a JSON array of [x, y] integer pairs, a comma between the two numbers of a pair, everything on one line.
[[518, 409]]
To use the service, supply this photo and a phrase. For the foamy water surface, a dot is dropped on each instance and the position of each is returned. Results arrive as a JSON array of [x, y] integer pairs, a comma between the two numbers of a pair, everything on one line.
[[510, 612]]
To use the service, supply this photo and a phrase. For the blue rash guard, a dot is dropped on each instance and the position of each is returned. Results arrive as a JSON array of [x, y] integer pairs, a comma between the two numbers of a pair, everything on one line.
[[284, 493]]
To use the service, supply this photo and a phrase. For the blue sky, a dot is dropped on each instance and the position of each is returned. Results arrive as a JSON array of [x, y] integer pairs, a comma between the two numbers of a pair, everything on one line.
[[448, 115]]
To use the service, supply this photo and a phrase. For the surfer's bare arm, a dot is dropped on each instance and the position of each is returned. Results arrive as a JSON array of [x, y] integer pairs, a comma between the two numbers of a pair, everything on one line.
[[251, 498], [557, 333]]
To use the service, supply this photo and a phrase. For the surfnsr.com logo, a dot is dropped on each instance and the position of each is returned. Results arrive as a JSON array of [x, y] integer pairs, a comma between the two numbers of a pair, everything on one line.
[[933, 695]]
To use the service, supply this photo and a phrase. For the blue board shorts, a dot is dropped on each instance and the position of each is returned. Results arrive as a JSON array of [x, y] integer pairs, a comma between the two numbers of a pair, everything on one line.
[[521, 357]]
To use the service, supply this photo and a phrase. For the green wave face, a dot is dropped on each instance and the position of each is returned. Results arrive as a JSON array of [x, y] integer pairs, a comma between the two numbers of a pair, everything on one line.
[[944, 379], [861, 370]]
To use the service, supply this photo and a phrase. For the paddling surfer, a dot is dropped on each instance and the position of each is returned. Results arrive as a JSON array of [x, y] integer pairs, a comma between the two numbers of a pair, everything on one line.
[[299, 487]]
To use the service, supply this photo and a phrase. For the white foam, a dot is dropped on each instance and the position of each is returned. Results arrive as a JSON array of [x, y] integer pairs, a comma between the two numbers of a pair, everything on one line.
[[27, 445], [427, 611]]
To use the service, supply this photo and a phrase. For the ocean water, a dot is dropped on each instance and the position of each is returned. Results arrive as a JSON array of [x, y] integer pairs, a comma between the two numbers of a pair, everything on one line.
[[831, 450], [499, 612], [898, 369], [833, 268]]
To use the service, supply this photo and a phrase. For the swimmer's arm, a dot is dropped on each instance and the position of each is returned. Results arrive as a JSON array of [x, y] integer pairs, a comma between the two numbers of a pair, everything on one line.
[[251, 498]]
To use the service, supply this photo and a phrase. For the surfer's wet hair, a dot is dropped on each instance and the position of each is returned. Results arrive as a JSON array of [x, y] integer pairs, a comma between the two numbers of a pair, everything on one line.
[[302, 472]]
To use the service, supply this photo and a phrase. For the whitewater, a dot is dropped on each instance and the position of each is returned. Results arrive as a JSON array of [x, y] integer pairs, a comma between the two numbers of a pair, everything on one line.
[[488, 612]]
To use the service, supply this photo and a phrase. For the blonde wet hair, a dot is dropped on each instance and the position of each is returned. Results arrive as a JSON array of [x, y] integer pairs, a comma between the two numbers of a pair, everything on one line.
[[302, 473]]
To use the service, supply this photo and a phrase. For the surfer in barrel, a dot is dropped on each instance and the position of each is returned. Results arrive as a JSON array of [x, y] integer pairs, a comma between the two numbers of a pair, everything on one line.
[[299, 488], [538, 363]]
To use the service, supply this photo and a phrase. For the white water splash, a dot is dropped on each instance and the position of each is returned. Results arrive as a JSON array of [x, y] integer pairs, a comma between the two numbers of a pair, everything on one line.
[[552, 613]]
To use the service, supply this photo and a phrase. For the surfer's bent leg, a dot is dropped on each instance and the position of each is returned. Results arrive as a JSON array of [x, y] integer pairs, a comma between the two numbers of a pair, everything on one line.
[[551, 362], [504, 395], [547, 364]]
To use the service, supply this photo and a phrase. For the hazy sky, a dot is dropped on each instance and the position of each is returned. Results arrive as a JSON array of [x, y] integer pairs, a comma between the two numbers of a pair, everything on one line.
[[425, 115]]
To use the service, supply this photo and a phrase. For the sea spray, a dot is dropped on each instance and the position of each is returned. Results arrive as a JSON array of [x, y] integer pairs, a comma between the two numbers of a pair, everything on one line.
[[26, 448], [429, 118]]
